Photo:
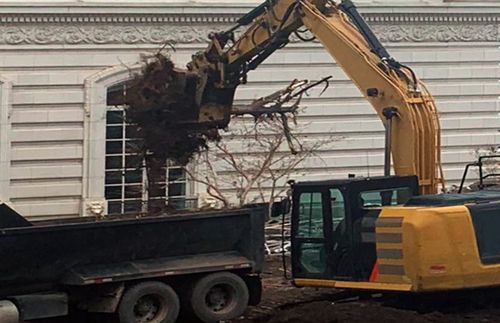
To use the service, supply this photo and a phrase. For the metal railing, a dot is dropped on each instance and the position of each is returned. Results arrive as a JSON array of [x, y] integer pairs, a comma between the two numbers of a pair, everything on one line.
[[480, 163]]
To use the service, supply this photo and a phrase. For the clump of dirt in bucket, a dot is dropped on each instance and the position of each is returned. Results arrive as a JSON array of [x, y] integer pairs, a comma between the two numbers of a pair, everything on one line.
[[159, 102]]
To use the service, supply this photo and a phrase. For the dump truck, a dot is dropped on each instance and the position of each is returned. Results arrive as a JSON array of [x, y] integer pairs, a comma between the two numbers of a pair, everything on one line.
[[141, 268]]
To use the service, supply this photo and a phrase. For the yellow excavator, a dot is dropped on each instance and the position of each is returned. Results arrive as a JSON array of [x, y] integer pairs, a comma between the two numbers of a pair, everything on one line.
[[363, 233]]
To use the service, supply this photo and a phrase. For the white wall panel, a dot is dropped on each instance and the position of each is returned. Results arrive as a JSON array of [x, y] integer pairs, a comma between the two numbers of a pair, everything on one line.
[[27, 172], [49, 140], [53, 189]]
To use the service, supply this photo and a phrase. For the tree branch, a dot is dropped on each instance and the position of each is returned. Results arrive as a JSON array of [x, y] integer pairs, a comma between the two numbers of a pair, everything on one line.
[[210, 187]]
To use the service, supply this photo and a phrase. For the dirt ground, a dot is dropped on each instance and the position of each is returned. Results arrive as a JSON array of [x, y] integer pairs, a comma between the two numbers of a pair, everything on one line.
[[284, 303]]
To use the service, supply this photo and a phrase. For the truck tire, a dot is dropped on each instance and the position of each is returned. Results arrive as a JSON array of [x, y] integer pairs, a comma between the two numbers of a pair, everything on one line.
[[153, 302], [218, 297]]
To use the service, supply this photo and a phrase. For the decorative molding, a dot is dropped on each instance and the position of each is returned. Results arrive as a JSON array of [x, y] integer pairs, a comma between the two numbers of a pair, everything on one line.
[[106, 34], [441, 18], [224, 18], [119, 29], [437, 33], [115, 18]]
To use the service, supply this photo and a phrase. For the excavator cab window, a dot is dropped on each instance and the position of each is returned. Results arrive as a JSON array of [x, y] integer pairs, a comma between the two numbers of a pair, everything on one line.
[[311, 215], [385, 197], [319, 238], [338, 209], [311, 233], [333, 224]]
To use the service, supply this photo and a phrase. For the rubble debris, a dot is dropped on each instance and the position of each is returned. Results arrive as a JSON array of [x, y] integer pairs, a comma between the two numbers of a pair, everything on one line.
[[274, 237]]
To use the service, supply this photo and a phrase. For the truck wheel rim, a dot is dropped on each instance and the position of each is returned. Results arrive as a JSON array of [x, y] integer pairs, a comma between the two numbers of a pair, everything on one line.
[[220, 298], [149, 308]]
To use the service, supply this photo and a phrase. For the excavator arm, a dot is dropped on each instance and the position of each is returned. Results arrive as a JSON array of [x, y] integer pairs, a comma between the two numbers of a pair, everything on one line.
[[401, 101]]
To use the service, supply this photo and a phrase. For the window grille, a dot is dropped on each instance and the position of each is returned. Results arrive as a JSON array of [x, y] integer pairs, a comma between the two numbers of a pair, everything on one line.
[[126, 178]]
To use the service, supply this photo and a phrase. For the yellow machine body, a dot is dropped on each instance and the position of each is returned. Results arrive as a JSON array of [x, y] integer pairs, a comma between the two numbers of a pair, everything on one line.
[[424, 249]]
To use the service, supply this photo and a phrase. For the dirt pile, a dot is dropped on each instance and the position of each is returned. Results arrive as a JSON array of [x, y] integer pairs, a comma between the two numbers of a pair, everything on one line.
[[160, 100]]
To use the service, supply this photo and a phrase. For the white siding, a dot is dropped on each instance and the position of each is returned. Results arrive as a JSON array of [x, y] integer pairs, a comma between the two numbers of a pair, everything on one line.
[[48, 107]]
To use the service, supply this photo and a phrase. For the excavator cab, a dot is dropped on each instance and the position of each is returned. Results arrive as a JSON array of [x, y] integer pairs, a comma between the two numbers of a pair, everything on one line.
[[333, 224]]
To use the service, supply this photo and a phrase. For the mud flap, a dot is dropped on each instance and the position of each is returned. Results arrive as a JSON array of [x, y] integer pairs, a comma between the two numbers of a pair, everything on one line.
[[39, 306], [254, 284]]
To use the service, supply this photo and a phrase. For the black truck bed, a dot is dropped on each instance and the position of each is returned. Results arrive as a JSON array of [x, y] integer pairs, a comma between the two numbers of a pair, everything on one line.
[[38, 257]]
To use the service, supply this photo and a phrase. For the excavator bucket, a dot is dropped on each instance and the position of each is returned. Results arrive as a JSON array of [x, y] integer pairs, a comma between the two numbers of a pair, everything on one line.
[[198, 111], [176, 96], [205, 106], [214, 104]]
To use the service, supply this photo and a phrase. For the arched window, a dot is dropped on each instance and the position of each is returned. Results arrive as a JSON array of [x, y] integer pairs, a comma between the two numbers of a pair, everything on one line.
[[125, 179]]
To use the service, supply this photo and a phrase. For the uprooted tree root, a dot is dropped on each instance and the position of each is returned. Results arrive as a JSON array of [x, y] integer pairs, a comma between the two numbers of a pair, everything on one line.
[[157, 108]]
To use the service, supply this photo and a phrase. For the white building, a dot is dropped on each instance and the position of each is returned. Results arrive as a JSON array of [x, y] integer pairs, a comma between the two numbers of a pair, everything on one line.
[[59, 58]]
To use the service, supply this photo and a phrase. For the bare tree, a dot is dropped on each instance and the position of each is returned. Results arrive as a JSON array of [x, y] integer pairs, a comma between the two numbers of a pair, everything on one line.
[[253, 162]]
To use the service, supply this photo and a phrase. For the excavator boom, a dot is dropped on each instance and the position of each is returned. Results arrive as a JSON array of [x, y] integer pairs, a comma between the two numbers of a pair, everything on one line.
[[400, 100]]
